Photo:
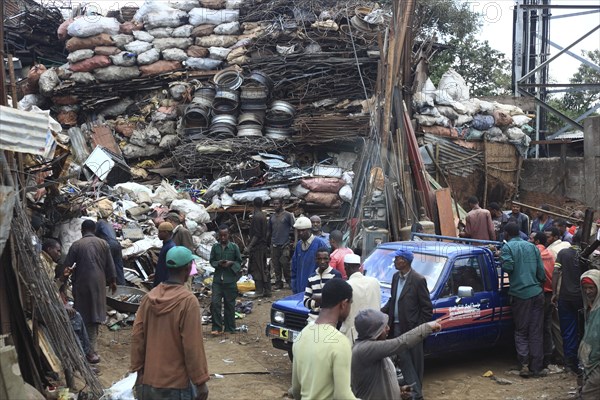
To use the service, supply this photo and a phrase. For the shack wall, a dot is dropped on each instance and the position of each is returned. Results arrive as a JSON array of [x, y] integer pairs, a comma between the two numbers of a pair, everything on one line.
[[541, 181]]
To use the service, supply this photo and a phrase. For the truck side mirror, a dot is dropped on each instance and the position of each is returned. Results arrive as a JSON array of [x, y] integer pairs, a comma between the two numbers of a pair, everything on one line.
[[465, 291]]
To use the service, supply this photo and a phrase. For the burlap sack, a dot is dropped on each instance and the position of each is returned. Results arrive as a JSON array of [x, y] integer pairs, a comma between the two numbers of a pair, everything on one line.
[[90, 64], [160, 67], [91, 42]]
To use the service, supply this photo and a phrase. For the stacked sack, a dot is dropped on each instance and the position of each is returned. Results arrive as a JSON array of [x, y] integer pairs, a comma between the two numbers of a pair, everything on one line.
[[449, 111]]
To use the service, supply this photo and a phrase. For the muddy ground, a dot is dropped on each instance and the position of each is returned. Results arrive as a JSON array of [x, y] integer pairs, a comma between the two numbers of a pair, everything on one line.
[[250, 368]]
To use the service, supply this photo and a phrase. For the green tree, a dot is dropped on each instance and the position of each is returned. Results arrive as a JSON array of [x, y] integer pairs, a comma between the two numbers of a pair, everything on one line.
[[573, 104], [444, 20]]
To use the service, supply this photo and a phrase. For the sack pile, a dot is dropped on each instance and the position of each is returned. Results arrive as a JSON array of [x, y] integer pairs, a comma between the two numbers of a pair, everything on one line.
[[449, 111]]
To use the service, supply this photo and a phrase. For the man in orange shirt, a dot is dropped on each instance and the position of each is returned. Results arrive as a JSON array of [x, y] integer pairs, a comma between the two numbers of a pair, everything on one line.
[[336, 260]]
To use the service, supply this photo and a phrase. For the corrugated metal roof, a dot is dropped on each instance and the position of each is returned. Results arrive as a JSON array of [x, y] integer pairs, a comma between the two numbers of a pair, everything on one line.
[[573, 135], [23, 131], [455, 159]]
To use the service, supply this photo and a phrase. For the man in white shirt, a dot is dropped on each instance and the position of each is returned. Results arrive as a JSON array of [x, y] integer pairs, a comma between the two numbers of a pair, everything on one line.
[[553, 243], [366, 294]]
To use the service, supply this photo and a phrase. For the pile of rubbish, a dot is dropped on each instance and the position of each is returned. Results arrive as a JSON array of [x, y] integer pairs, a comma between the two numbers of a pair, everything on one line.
[[449, 111]]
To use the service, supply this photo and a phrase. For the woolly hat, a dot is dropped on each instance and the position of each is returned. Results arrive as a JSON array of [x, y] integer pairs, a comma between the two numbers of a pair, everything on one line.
[[370, 323]]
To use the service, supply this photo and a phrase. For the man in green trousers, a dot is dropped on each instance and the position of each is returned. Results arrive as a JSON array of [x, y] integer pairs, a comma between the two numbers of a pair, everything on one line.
[[226, 259]]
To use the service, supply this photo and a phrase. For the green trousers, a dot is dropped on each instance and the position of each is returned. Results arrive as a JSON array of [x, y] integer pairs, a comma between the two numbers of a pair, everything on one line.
[[223, 294]]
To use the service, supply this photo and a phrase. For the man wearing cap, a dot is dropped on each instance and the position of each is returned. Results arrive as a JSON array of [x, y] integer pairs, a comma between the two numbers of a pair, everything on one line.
[[322, 355], [278, 229], [336, 239], [366, 294], [181, 235], [167, 350], [317, 229], [408, 307], [165, 233], [323, 274], [303, 261], [226, 259], [589, 349], [373, 372]]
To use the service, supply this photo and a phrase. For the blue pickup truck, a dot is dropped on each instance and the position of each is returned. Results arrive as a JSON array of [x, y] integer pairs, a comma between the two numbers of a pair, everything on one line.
[[468, 290]]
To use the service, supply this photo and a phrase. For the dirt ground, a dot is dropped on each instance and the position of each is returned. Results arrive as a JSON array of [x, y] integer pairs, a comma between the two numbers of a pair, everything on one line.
[[246, 366]]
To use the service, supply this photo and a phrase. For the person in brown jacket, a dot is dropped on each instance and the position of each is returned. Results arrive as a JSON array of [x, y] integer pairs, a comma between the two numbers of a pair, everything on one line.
[[181, 235], [167, 350]]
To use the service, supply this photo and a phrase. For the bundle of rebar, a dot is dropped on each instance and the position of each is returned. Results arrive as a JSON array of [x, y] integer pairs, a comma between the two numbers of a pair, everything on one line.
[[316, 129], [46, 304], [198, 157]]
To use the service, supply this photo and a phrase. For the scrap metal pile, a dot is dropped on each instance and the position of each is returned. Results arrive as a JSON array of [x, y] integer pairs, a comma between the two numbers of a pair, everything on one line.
[[148, 92]]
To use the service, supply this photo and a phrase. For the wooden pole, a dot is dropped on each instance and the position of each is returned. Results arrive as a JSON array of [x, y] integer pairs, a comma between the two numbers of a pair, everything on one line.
[[2, 73], [546, 212], [485, 173]]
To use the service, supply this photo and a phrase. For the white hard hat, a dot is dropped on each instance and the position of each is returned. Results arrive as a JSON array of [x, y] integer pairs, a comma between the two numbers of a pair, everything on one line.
[[351, 259], [303, 223]]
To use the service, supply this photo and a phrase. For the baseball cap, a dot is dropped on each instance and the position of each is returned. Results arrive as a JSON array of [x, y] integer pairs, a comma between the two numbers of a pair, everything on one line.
[[302, 223], [180, 256], [407, 255], [165, 226], [352, 259]]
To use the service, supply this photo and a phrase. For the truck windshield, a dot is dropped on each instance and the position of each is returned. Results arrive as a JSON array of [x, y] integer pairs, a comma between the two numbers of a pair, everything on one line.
[[380, 265]]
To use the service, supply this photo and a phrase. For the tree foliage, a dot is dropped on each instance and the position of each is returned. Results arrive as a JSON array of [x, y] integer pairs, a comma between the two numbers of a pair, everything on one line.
[[444, 19], [575, 103]]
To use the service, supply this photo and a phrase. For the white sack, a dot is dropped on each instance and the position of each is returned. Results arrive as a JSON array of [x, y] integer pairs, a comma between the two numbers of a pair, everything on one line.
[[227, 200], [138, 46], [80, 55], [345, 193], [280, 193], [143, 36], [121, 40], [193, 211], [520, 120], [454, 86], [48, 81], [93, 25], [114, 73], [199, 16], [172, 19], [169, 43], [348, 177], [299, 191], [123, 59], [148, 57], [218, 53], [142, 246], [183, 31], [174, 55], [206, 64], [184, 5], [248, 197], [83, 77], [160, 33], [228, 28]]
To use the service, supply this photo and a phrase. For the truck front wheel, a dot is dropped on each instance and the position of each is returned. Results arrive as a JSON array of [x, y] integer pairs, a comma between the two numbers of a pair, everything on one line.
[[283, 345]]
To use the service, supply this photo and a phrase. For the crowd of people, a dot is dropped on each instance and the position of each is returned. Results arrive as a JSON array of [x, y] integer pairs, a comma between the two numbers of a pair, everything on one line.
[[352, 346]]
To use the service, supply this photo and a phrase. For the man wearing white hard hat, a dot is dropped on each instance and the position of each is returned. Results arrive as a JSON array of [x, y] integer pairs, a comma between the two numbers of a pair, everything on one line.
[[367, 294], [304, 259]]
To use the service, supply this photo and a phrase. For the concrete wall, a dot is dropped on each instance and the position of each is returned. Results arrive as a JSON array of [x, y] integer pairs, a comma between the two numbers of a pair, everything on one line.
[[541, 179], [591, 129]]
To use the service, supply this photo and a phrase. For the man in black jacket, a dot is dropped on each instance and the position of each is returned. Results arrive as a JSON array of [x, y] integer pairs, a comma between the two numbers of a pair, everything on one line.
[[408, 307]]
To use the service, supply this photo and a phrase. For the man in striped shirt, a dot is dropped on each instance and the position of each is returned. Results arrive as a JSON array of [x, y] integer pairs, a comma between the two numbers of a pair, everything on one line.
[[323, 274]]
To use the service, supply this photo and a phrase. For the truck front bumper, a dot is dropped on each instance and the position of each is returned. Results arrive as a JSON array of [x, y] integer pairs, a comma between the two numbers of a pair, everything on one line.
[[282, 337]]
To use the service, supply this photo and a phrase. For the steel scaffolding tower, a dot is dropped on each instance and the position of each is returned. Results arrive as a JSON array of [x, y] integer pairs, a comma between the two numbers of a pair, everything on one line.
[[531, 58]]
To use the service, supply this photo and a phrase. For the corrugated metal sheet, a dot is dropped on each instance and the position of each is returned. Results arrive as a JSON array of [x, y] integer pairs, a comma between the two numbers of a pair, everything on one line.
[[573, 135], [23, 131], [455, 159]]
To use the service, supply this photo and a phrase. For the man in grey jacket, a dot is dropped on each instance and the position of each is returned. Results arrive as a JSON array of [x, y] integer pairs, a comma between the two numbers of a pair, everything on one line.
[[373, 372]]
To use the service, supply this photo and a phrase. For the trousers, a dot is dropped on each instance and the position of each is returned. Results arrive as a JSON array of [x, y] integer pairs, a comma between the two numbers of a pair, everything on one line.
[[92, 331], [81, 332], [223, 298], [280, 260], [412, 366], [567, 314], [529, 317]]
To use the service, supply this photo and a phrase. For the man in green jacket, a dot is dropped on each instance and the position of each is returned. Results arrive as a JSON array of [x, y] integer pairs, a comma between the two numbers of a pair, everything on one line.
[[522, 262], [226, 259]]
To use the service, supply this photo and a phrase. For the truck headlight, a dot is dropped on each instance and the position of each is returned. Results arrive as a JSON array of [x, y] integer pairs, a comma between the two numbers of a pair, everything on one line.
[[279, 317]]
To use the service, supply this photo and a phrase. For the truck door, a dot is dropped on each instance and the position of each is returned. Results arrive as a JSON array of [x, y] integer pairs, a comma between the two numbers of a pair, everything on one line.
[[467, 321]]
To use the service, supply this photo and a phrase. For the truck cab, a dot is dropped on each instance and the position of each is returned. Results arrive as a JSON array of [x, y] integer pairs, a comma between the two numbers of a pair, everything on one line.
[[468, 291]]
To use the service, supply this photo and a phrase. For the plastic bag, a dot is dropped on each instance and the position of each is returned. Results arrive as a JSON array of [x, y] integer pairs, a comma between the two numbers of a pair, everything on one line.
[[124, 59], [219, 53], [299, 191], [227, 200], [193, 211], [148, 57], [184, 5], [200, 16], [160, 67], [183, 31], [218, 184], [520, 120], [80, 55], [216, 41], [462, 120], [486, 107], [471, 106], [514, 133], [482, 122], [170, 43], [228, 28], [138, 46], [345, 193], [280, 193], [206, 64], [502, 119], [83, 77], [115, 73], [48, 81], [150, 6], [453, 85], [30, 100], [171, 19], [448, 112], [247, 197], [174, 55], [161, 33], [143, 36], [93, 25], [326, 185], [102, 39], [348, 177], [474, 134], [121, 40], [426, 120]]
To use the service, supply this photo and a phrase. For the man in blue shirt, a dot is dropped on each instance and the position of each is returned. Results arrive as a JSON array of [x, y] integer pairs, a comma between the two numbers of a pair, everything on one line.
[[522, 262], [165, 233]]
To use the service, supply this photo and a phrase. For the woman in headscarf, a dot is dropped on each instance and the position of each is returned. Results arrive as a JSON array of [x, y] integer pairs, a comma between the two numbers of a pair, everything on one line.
[[589, 348]]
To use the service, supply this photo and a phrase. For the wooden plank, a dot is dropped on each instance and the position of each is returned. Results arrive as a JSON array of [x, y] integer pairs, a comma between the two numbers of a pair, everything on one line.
[[525, 103], [47, 349], [443, 199]]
